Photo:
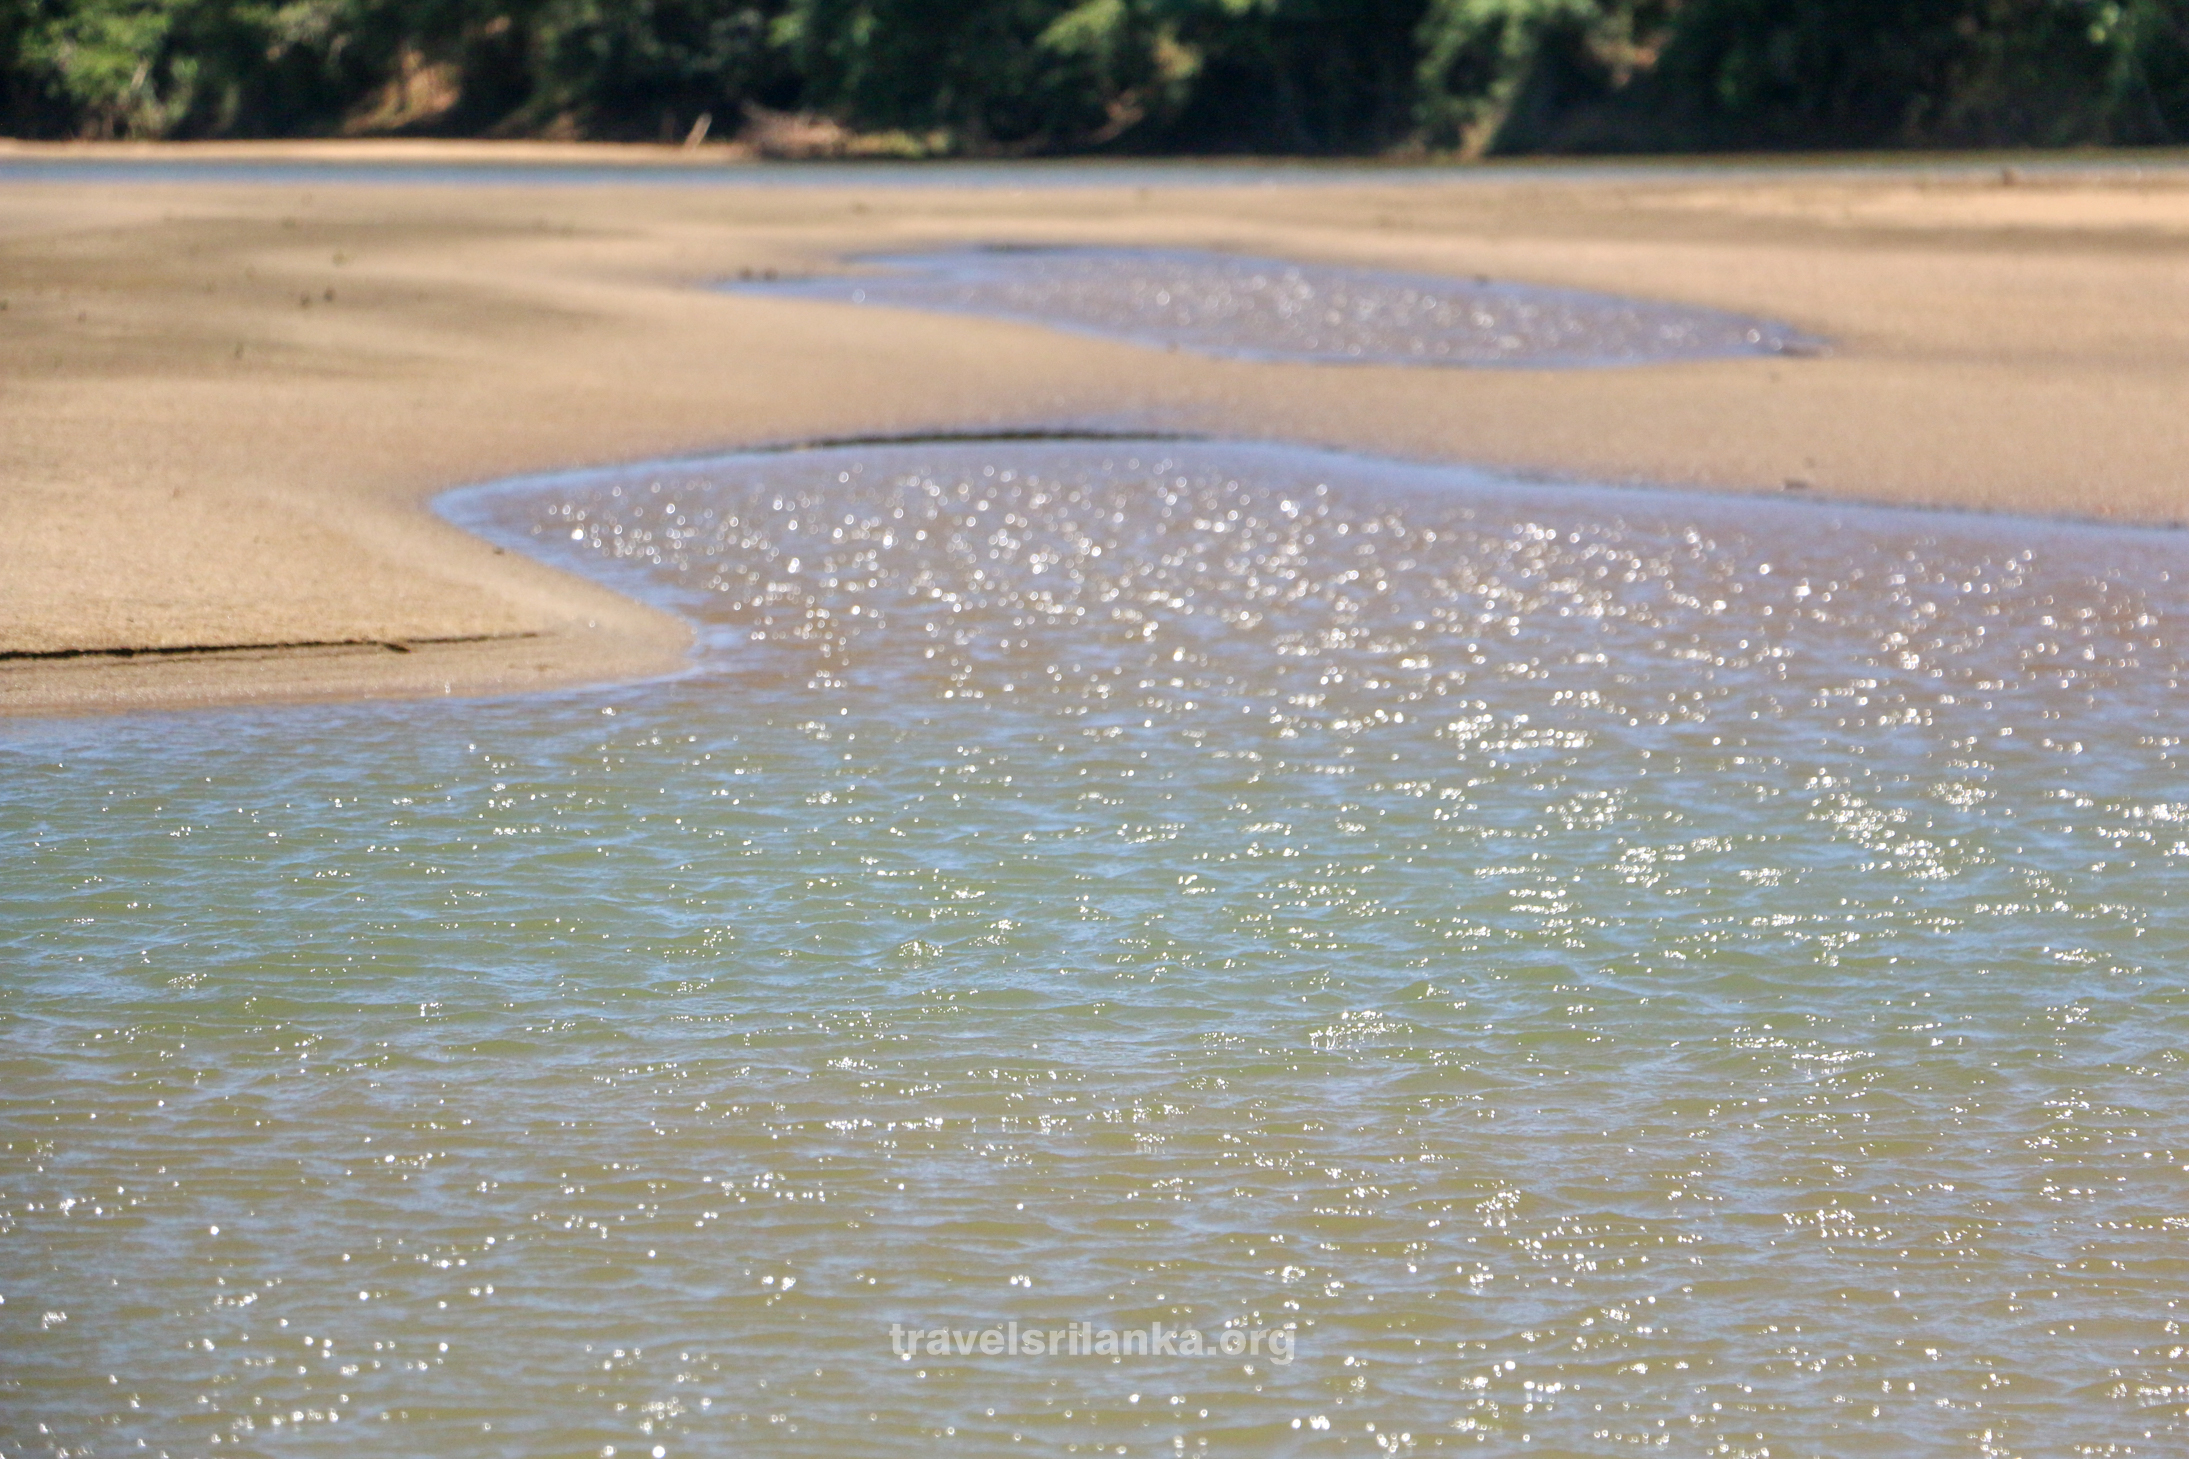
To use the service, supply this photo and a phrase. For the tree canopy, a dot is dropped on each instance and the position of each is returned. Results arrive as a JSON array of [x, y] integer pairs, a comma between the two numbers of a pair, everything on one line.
[[1016, 77]]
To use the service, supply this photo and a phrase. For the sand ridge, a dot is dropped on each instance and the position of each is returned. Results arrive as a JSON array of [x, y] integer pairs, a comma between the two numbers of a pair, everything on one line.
[[228, 403]]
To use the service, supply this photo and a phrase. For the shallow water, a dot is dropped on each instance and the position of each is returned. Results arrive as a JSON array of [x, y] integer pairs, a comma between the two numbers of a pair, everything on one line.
[[1271, 309], [1615, 971]]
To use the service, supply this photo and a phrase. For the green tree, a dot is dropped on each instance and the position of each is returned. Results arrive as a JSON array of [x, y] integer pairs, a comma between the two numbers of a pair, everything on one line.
[[1298, 75], [148, 68], [1015, 76], [1806, 73], [974, 69], [1266, 75], [1476, 57], [645, 68]]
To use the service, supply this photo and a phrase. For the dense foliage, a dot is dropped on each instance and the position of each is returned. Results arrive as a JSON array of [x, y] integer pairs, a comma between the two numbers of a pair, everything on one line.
[[1017, 76]]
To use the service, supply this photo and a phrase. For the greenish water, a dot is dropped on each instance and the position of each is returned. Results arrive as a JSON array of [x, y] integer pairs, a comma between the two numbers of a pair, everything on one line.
[[1611, 972]]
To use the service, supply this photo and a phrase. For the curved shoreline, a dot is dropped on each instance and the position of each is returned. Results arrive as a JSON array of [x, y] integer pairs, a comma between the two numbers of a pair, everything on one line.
[[230, 405]]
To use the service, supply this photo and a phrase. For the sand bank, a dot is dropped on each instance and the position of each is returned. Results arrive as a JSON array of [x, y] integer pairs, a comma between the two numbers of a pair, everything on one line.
[[227, 404]]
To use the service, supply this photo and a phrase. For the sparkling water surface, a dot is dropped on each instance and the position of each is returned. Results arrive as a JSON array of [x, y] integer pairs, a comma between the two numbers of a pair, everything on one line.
[[1616, 972], [1272, 309]]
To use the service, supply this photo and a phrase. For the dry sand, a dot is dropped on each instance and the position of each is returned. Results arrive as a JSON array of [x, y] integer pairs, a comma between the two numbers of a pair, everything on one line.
[[226, 405]]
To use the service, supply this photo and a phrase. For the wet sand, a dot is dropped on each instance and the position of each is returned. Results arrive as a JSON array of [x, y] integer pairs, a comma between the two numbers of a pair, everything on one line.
[[227, 404]]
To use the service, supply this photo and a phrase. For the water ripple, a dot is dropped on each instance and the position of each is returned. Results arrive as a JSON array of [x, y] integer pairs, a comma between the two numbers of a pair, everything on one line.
[[1270, 309], [1605, 968]]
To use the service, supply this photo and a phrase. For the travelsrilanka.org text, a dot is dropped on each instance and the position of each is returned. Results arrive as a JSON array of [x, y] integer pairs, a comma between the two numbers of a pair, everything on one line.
[[1085, 1340]]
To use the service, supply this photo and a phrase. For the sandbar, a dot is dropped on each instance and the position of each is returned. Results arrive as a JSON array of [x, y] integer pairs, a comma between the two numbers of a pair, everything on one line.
[[228, 401]]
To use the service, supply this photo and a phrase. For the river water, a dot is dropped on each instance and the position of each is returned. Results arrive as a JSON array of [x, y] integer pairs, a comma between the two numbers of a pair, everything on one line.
[[1599, 972], [1278, 309]]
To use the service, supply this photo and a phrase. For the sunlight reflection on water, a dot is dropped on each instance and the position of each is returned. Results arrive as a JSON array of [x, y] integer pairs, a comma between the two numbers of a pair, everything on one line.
[[1613, 968], [1272, 309]]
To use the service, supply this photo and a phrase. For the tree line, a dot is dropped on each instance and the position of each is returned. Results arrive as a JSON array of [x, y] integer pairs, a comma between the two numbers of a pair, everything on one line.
[[1023, 77]]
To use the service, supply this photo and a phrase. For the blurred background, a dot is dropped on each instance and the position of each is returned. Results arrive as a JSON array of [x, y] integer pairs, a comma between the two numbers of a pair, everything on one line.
[[1044, 77]]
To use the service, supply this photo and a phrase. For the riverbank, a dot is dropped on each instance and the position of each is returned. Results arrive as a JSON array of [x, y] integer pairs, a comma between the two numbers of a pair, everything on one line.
[[230, 401]]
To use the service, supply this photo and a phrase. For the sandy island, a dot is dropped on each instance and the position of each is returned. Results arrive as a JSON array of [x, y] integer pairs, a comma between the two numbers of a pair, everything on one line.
[[227, 404]]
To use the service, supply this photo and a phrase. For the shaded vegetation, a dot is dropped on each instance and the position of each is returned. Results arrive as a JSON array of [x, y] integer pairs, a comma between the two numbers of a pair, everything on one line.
[[1037, 76]]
